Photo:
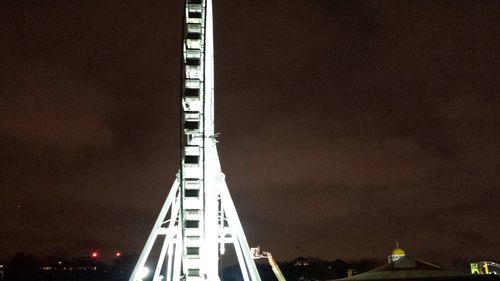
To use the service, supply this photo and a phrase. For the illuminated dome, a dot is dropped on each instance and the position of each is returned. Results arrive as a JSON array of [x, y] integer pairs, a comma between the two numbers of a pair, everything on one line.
[[398, 251], [396, 254]]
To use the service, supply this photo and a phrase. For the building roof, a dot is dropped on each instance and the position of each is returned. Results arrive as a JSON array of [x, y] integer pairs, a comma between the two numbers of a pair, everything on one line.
[[406, 268]]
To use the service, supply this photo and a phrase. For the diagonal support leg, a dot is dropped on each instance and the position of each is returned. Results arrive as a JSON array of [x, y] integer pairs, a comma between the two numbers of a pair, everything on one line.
[[155, 231], [241, 247]]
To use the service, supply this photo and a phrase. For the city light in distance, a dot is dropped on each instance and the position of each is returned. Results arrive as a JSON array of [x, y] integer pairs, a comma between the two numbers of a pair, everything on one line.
[[118, 254], [94, 254]]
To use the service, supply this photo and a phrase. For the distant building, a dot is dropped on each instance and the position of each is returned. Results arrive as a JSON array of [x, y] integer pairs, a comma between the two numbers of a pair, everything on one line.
[[61, 264], [300, 261], [396, 255], [402, 267]]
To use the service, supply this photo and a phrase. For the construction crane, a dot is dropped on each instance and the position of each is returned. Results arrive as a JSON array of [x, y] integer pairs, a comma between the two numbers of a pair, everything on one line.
[[257, 253]]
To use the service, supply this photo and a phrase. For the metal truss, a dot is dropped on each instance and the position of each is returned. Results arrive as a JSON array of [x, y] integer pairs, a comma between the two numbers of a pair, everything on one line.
[[198, 218]]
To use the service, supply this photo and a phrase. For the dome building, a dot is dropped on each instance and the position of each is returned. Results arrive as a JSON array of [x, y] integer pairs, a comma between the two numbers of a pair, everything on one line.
[[396, 255], [403, 267]]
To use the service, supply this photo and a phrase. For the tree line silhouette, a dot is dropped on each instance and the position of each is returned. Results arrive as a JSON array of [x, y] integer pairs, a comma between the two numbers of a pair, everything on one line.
[[25, 267]]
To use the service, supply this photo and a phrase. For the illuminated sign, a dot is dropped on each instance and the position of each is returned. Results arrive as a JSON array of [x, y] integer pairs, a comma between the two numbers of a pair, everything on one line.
[[485, 268]]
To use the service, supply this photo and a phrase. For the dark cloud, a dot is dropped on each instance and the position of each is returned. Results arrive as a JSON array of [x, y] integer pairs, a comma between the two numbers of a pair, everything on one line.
[[44, 106], [346, 125]]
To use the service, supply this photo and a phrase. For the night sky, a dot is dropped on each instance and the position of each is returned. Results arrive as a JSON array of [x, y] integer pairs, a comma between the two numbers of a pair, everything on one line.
[[345, 125]]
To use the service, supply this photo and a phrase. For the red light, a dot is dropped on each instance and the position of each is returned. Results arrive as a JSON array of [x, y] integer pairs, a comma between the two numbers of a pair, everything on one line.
[[118, 254], [94, 254]]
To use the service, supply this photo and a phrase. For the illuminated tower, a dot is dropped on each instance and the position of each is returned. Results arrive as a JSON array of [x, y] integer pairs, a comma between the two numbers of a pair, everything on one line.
[[198, 217]]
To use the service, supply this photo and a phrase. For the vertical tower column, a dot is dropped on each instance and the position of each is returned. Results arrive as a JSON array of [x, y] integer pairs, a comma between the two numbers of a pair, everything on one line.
[[193, 163], [199, 217]]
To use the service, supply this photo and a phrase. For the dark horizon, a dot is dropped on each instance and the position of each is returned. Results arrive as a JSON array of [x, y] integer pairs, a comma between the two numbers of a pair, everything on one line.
[[345, 125], [229, 261]]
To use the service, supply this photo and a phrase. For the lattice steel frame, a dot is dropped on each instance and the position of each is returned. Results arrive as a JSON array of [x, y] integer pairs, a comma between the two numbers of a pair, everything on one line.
[[198, 217]]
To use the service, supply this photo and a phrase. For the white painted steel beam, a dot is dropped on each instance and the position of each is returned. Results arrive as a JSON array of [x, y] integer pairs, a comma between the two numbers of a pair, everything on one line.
[[191, 221]]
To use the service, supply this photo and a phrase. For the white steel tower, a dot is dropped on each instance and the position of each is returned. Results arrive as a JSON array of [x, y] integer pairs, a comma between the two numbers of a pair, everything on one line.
[[198, 217]]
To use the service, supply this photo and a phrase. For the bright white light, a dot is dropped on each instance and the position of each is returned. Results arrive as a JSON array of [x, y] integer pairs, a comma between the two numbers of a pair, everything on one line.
[[143, 272]]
